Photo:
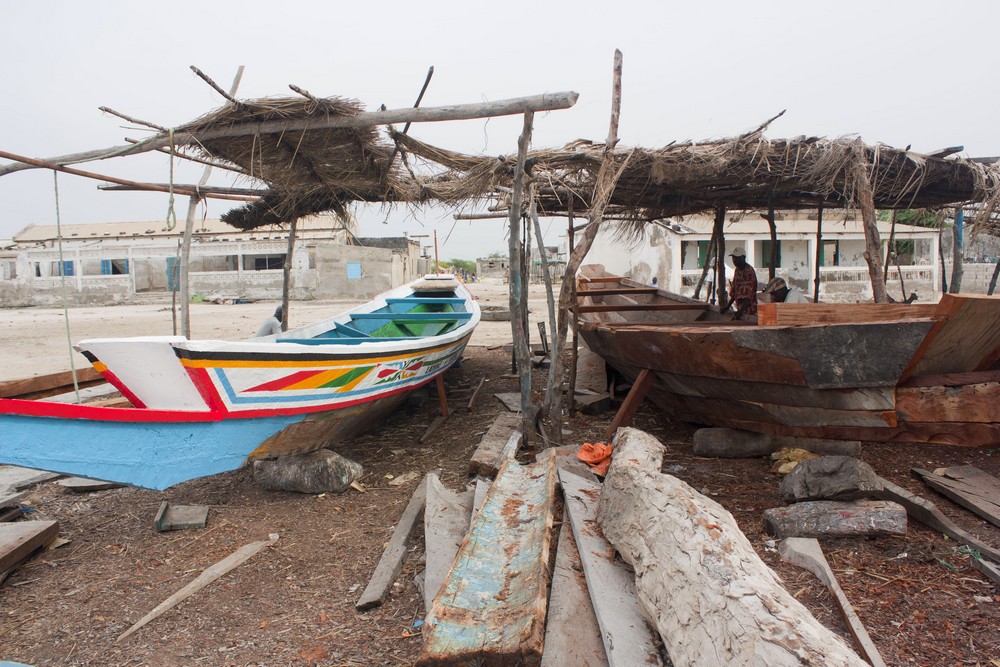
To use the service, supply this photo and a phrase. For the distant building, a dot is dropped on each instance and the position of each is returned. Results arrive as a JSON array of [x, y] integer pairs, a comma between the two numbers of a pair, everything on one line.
[[108, 263], [675, 251]]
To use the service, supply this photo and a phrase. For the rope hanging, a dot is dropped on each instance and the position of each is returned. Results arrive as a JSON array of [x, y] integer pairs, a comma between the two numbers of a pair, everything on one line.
[[171, 214], [62, 282]]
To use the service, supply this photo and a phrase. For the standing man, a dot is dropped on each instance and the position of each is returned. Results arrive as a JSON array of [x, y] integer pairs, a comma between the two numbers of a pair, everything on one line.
[[743, 289]]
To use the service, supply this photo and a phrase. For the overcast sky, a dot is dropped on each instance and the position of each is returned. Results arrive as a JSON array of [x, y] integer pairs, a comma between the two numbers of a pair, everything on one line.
[[914, 72]]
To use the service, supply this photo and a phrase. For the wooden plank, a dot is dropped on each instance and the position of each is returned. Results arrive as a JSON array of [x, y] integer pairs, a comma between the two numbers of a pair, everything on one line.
[[990, 570], [611, 291], [495, 445], [17, 478], [19, 540], [510, 400], [628, 641], [85, 485], [491, 610], [446, 523], [391, 562], [928, 514], [11, 498], [969, 487], [969, 403], [566, 459], [968, 338], [807, 554], [799, 314], [630, 406], [479, 496], [572, 635], [36, 387], [952, 379], [180, 517], [629, 307]]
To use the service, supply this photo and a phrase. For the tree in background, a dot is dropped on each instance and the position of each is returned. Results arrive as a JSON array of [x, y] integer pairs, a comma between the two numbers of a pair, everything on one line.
[[459, 265]]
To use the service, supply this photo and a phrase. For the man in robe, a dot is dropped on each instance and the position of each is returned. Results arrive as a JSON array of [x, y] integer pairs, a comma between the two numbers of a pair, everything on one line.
[[743, 288]]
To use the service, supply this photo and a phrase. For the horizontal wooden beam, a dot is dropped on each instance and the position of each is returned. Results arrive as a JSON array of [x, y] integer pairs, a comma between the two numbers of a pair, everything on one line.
[[508, 107], [616, 290], [613, 308]]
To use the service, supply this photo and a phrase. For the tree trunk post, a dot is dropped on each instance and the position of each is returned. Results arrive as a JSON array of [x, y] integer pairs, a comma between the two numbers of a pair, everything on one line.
[[286, 272], [518, 306], [873, 250], [819, 249], [720, 253], [957, 252], [713, 242], [772, 262]]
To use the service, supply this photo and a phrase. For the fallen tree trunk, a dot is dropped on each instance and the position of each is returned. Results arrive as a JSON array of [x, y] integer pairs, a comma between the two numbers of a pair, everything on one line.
[[700, 582]]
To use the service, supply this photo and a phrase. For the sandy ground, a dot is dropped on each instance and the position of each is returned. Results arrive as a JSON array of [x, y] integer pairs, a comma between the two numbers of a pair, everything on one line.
[[33, 341]]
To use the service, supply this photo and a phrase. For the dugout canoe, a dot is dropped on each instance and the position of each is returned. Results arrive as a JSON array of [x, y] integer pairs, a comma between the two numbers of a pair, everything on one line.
[[199, 407], [924, 373]]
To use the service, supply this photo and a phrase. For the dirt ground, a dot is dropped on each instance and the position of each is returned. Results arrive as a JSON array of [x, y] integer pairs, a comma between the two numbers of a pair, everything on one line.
[[293, 603]]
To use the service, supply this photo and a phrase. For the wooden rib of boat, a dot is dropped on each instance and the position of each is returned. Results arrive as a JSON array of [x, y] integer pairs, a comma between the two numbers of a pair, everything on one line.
[[199, 407], [875, 372]]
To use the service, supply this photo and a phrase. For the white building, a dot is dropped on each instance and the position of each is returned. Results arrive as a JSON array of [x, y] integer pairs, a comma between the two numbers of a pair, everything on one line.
[[674, 251], [115, 262]]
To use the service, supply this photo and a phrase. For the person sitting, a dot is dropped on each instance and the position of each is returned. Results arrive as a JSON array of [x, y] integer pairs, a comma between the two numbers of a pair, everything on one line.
[[272, 325], [780, 292], [743, 288]]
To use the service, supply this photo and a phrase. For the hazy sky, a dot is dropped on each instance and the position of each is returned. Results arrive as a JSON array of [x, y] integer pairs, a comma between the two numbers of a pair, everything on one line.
[[900, 72]]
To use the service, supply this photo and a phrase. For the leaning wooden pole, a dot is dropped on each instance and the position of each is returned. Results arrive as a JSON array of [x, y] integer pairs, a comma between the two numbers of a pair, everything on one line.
[[890, 248], [518, 306], [873, 249], [556, 433], [185, 289], [574, 346], [509, 107], [286, 271], [707, 265], [772, 262], [607, 178]]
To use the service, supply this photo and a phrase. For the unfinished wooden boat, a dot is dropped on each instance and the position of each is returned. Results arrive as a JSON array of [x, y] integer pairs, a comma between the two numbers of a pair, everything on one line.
[[199, 407], [874, 372]]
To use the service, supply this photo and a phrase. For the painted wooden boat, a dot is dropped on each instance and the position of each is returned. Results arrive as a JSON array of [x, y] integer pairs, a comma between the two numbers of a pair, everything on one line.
[[874, 372], [199, 407]]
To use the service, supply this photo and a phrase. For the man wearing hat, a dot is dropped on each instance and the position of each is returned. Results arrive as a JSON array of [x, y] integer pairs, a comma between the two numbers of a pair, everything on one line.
[[780, 292], [743, 288]]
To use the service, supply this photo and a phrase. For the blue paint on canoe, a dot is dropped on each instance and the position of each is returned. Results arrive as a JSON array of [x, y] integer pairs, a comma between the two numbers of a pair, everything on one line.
[[154, 455]]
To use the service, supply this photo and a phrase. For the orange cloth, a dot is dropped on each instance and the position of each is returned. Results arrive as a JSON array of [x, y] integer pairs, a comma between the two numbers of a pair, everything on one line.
[[597, 456]]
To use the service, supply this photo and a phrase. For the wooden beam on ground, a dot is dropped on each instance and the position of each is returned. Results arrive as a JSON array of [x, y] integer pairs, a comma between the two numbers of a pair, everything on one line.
[[630, 406], [807, 554], [85, 485], [20, 539], [724, 606], [491, 610], [572, 635], [967, 486], [627, 639], [446, 523], [499, 443], [391, 562], [928, 514]]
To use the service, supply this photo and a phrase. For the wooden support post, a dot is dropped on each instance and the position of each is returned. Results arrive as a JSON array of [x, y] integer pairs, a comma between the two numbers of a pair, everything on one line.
[[957, 253], [819, 249], [873, 249], [631, 404], [772, 262], [574, 320], [890, 249], [518, 306], [286, 272], [707, 265], [719, 233], [442, 395]]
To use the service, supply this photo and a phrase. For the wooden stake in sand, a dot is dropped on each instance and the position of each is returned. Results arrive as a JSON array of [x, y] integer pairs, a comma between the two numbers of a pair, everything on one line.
[[228, 563]]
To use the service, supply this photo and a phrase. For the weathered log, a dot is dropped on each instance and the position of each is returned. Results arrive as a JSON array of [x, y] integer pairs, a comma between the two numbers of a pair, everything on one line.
[[831, 518], [446, 523], [728, 443], [700, 582], [322, 471]]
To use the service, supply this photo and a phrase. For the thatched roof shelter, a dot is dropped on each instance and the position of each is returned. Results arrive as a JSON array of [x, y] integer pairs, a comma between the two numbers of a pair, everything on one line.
[[315, 170]]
